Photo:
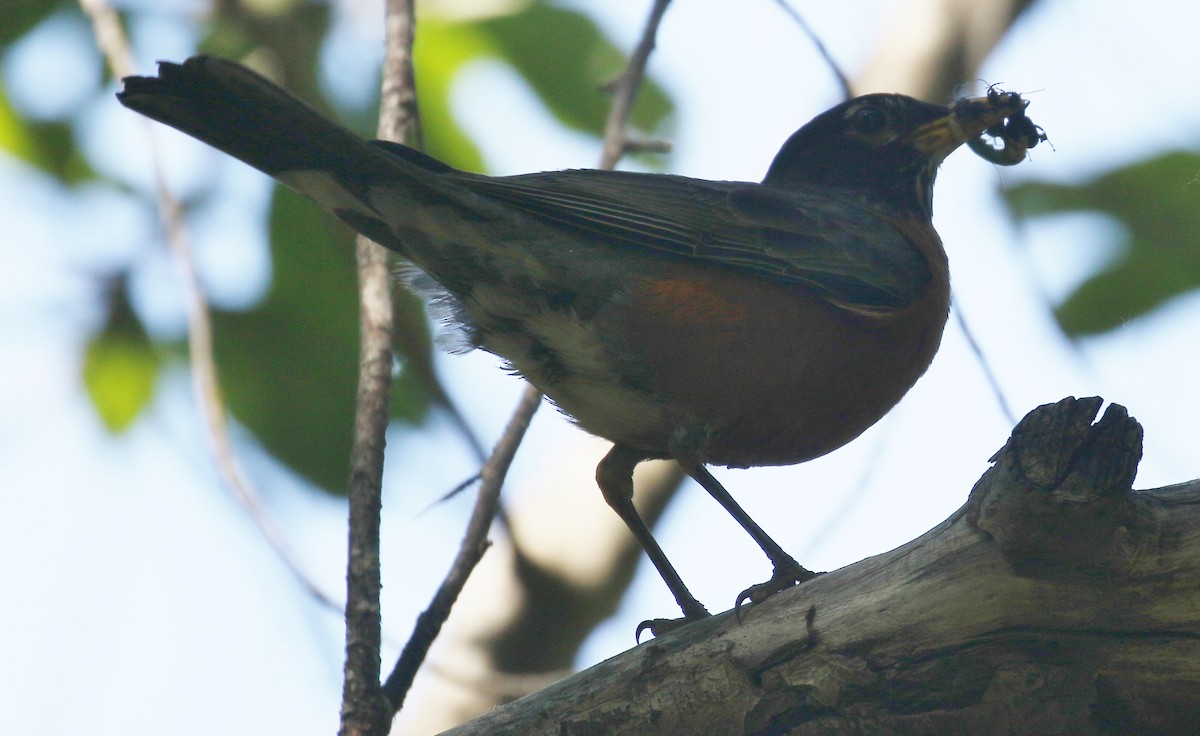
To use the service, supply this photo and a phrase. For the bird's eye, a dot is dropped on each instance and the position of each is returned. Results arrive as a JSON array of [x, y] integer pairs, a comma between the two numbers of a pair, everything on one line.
[[868, 120]]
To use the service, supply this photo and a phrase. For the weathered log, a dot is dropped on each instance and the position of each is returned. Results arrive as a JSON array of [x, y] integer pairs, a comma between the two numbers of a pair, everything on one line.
[[1057, 600]]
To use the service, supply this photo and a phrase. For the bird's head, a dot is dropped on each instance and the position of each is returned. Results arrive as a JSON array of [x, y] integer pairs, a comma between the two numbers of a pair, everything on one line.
[[885, 148]]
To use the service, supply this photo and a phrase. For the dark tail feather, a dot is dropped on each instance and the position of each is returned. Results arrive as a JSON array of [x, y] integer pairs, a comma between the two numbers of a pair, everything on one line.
[[239, 112]]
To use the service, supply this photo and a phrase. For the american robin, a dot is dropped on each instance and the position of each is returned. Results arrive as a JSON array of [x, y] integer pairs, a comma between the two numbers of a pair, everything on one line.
[[714, 323]]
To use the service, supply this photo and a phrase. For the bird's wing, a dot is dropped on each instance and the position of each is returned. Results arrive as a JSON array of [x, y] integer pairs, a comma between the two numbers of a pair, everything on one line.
[[849, 255]]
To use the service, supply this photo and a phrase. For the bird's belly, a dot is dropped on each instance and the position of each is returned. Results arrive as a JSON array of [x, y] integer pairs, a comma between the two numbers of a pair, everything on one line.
[[755, 373], [723, 368], [572, 362]]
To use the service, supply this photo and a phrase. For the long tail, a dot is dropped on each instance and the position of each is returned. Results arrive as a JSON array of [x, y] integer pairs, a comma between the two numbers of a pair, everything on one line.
[[239, 112]]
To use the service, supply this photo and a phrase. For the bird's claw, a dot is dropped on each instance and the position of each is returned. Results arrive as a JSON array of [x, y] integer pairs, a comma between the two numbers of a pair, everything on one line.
[[659, 626], [784, 577]]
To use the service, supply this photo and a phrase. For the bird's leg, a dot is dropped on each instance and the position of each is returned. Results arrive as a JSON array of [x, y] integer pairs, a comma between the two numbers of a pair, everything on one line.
[[614, 475], [787, 571]]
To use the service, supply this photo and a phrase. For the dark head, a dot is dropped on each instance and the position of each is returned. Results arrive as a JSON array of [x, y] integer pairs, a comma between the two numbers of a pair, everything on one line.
[[884, 147]]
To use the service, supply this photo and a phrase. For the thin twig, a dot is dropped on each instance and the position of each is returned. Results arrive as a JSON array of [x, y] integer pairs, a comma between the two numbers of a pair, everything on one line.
[[399, 118], [110, 38], [830, 62], [984, 365], [475, 543], [365, 708], [616, 142]]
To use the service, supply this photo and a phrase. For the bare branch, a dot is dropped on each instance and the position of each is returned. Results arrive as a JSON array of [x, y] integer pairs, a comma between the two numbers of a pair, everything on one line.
[[365, 707], [364, 711], [984, 364], [475, 543], [834, 68], [616, 142], [1056, 600]]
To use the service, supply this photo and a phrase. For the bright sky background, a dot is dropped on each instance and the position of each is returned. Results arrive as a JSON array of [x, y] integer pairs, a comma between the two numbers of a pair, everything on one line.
[[139, 599]]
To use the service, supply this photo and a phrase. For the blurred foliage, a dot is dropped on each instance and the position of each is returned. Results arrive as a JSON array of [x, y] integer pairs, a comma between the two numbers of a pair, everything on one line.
[[288, 365], [120, 365], [1157, 202], [560, 53], [584, 64], [45, 145], [21, 16]]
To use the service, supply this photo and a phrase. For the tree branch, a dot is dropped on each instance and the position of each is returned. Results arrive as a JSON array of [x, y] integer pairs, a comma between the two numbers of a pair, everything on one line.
[[474, 544], [365, 708], [1056, 600], [616, 140], [830, 63]]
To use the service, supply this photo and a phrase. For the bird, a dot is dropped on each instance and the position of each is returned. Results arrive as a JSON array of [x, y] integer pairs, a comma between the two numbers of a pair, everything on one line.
[[713, 323]]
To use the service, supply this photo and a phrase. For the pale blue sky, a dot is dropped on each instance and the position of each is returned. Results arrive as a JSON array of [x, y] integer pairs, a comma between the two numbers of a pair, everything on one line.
[[141, 601]]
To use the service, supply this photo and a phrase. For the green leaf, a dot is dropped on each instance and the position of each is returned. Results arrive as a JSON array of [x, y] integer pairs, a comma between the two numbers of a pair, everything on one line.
[[561, 54], [568, 61], [1157, 202], [440, 50], [288, 368], [49, 146], [120, 366], [20, 17]]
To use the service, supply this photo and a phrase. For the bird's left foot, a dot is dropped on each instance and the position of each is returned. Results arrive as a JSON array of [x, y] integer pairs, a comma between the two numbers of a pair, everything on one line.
[[659, 626], [785, 576]]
